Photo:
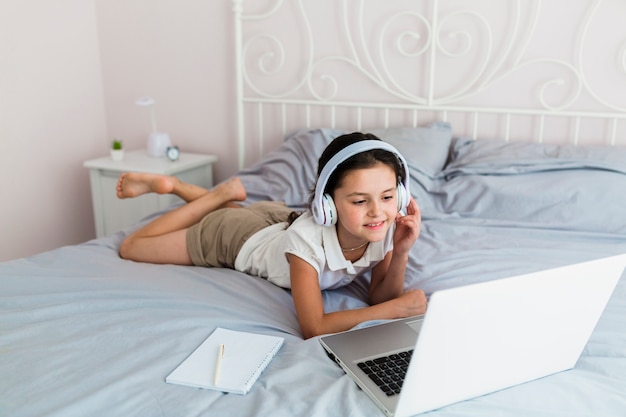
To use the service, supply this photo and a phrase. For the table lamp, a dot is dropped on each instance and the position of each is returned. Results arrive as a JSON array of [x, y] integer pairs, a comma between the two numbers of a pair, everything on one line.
[[158, 142]]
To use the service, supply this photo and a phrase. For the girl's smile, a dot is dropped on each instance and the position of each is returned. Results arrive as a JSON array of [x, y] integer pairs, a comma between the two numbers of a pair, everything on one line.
[[366, 205], [375, 226]]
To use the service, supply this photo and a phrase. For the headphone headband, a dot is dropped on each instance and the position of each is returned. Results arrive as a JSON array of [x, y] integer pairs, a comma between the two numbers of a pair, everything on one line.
[[343, 155]]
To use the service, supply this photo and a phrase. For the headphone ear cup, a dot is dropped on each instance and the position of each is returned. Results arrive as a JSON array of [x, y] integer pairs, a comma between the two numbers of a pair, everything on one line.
[[403, 197], [329, 210]]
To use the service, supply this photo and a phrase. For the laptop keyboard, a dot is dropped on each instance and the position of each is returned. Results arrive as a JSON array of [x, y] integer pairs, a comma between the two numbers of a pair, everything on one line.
[[388, 372]]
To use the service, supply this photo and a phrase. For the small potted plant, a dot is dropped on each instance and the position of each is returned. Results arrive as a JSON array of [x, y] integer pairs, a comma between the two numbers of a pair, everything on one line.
[[117, 151]]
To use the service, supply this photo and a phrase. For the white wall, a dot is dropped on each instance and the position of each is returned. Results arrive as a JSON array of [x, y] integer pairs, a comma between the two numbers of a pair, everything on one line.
[[70, 72], [51, 119], [178, 52]]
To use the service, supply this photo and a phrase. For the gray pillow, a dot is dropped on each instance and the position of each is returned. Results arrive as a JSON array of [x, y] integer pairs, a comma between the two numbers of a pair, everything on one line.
[[425, 149], [501, 157], [548, 186], [288, 173]]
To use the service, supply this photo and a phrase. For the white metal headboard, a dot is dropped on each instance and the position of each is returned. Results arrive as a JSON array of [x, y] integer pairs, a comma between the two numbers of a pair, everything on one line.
[[517, 69]]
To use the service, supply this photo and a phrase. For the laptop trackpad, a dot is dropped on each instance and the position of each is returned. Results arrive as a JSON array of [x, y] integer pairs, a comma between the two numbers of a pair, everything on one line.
[[416, 325]]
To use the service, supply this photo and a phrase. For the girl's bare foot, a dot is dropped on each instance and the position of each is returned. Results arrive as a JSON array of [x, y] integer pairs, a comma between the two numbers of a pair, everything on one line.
[[133, 184], [233, 189]]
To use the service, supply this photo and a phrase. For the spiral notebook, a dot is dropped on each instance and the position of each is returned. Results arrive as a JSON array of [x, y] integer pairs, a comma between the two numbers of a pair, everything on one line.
[[237, 365]]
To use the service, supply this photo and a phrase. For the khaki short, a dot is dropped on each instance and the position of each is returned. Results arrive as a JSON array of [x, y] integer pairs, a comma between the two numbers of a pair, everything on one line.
[[218, 237]]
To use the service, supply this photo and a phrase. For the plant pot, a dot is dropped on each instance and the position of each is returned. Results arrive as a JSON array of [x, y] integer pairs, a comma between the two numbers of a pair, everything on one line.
[[117, 154]]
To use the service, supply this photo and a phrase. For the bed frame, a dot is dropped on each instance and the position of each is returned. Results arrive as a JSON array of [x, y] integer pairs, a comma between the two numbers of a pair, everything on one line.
[[365, 64]]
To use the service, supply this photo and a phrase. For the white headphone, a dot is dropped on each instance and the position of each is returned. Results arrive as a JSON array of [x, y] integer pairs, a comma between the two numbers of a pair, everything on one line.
[[323, 206]]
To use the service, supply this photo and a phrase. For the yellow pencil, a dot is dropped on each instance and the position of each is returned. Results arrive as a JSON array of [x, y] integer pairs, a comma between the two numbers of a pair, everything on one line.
[[218, 364]]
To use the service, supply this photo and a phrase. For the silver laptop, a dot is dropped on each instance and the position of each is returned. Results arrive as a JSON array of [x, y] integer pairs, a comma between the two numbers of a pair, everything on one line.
[[479, 338]]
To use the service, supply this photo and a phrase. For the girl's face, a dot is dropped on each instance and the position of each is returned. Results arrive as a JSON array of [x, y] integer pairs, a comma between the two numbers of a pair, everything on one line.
[[366, 205]]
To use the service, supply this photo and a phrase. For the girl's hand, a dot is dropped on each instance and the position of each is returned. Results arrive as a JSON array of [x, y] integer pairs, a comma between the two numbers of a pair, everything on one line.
[[407, 228], [411, 303]]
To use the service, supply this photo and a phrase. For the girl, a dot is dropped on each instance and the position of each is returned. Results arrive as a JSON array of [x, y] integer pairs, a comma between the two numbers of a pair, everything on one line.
[[354, 226]]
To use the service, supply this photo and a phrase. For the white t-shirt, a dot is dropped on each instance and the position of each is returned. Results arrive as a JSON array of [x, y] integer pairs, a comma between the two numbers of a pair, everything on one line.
[[265, 253]]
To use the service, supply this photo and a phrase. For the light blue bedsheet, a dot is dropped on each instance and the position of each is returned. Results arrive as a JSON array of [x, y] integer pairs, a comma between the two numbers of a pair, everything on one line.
[[85, 333]]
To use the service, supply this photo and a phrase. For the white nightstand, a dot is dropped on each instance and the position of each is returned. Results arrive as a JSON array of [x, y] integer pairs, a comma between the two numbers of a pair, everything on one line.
[[112, 214]]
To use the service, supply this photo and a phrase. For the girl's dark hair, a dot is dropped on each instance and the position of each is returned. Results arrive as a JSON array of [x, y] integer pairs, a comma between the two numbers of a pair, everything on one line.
[[365, 159]]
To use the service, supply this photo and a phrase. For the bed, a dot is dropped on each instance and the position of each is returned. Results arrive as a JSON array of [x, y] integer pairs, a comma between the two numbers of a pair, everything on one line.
[[84, 332]]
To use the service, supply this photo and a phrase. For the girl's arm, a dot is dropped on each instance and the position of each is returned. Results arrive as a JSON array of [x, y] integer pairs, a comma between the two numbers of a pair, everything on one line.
[[307, 297], [387, 280]]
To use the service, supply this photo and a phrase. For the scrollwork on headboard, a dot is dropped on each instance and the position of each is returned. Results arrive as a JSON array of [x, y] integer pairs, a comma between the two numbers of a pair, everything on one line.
[[440, 58]]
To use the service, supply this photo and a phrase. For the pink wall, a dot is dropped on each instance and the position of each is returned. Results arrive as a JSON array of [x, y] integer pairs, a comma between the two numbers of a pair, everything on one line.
[[71, 70], [180, 54], [51, 119]]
